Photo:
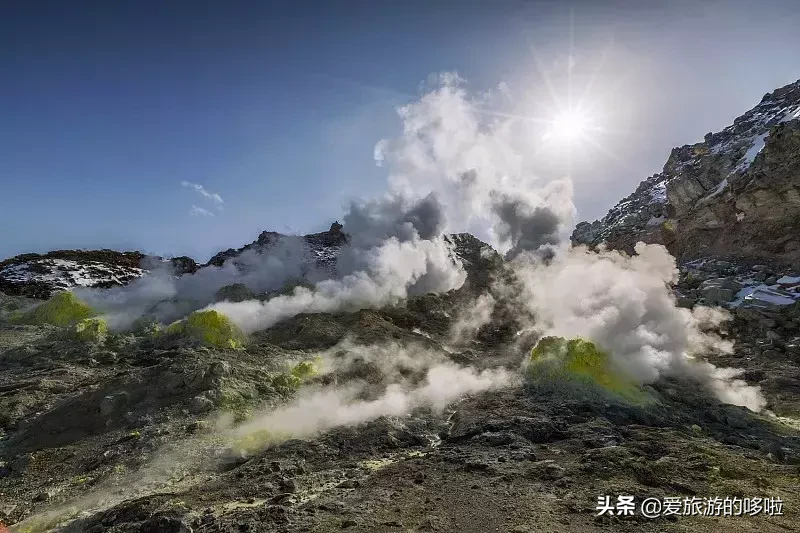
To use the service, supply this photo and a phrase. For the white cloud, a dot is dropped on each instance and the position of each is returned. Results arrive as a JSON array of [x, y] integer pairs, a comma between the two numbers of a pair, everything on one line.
[[199, 211], [214, 197]]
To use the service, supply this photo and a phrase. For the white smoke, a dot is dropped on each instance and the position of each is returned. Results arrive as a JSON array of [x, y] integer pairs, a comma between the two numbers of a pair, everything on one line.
[[392, 270], [459, 165], [624, 304], [167, 297], [452, 168], [393, 362], [474, 161], [472, 318], [319, 411]]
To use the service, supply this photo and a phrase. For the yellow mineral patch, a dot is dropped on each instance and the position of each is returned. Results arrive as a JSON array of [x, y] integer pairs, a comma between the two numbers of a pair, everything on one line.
[[793, 423], [62, 309], [91, 330], [306, 369], [290, 381], [47, 521], [377, 464], [579, 359], [211, 327]]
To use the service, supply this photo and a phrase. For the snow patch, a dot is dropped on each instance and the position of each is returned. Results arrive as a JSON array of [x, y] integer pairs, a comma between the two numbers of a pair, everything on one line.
[[763, 296], [420, 332], [756, 146], [718, 189], [659, 192], [790, 115], [63, 274]]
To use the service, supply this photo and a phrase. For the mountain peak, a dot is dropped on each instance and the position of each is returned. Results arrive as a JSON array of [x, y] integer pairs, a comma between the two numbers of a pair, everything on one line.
[[695, 204]]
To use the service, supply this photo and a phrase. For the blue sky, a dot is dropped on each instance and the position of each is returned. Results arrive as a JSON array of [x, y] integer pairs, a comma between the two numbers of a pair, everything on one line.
[[107, 107]]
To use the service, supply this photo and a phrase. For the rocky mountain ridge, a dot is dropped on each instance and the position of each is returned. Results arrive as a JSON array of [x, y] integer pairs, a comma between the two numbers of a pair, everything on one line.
[[41, 275], [734, 195], [322, 247]]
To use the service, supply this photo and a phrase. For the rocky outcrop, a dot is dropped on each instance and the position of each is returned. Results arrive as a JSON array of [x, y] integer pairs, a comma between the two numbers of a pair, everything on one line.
[[758, 214], [39, 275], [323, 245], [773, 190], [735, 194]]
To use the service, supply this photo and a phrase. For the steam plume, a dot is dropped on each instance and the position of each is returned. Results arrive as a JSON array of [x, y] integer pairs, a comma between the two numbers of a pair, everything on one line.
[[450, 168], [391, 272], [455, 168], [329, 408], [166, 297], [624, 305]]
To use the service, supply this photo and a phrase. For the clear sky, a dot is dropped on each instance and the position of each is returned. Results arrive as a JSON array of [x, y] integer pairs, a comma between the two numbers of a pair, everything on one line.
[[111, 110]]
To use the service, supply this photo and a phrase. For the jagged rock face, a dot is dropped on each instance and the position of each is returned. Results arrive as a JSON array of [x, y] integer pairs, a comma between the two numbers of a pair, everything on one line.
[[734, 194], [773, 191], [758, 215], [640, 216]]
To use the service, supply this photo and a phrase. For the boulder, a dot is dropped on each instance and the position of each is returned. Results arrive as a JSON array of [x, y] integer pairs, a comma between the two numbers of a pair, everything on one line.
[[547, 469], [113, 403], [91, 330], [719, 290], [237, 292], [717, 295], [201, 404]]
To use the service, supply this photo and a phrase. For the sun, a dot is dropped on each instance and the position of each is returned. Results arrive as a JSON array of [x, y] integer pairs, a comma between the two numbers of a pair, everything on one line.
[[569, 126]]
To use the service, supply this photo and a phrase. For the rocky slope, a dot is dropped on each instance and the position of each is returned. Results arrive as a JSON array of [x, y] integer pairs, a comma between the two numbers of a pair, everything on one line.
[[119, 434], [734, 195]]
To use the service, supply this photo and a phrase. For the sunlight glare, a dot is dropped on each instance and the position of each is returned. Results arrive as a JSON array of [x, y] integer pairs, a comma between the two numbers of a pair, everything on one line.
[[569, 125]]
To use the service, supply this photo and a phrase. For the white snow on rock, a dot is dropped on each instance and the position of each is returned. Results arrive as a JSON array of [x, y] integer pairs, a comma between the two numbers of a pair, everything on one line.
[[757, 145], [62, 274], [659, 192], [422, 333], [791, 114], [718, 189], [769, 296], [763, 296], [325, 253]]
